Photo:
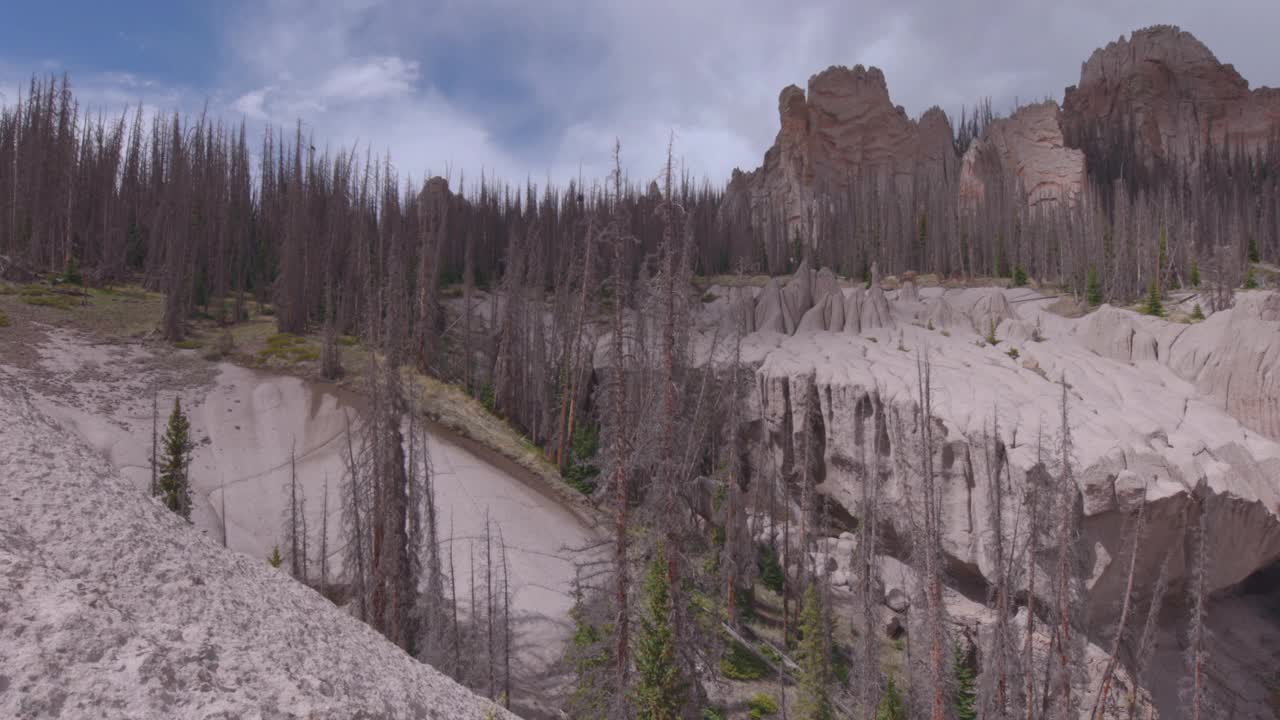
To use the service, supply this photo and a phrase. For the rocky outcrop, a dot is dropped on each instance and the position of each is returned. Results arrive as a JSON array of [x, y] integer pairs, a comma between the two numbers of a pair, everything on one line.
[[845, 127], [1174, 95], [1234, 359], [1025, 157], [1115, 334]]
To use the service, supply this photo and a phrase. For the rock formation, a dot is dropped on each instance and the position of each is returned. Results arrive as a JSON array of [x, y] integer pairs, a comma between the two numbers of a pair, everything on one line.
[[846, 127], [1159, 412], [1024, 153], [1176, 96]]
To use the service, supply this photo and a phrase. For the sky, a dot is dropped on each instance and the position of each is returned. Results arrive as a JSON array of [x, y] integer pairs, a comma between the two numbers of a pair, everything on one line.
[[542, 90]]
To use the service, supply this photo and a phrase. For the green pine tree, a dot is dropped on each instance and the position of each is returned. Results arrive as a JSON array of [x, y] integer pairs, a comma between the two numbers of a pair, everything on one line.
[[1153, 305], [1197, 313], [274, 558], [891, 705], [1194, 279], [814, 657], [660, 686], [1254, 255], [1093, 289], [991, 332], [1019, 276], [1250, 282], [966, 694], [589, 656], [175, 465]]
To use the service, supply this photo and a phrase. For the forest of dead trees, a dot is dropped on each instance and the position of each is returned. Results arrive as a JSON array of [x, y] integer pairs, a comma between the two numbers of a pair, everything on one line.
[[506, 290]]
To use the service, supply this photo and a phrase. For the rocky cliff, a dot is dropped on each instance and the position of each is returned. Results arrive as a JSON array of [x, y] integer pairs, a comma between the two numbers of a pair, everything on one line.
[[1160, 414], [1025, 156], [845, 128], [1159, 96], [1172, 93]]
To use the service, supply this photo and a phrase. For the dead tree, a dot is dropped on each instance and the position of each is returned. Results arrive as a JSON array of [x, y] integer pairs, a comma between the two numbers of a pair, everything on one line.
[[1100, 704], [1197, 600], [868, 561], [1150, 632]]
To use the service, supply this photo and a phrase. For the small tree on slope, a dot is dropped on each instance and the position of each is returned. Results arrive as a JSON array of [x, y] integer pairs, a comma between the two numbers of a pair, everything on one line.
[[175, 466], [660, 691], [814, 702]]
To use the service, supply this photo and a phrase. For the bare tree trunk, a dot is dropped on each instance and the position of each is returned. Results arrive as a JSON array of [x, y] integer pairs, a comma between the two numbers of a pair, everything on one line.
[[1199, 610], [155, 439], [489, 602], [1100, 705]]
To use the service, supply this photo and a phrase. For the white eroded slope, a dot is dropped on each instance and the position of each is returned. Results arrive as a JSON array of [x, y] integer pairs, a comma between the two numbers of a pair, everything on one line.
[[245, 423], [112, 607]]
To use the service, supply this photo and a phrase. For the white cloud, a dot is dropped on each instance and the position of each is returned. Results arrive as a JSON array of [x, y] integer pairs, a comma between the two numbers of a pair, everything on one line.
[[531, 90]]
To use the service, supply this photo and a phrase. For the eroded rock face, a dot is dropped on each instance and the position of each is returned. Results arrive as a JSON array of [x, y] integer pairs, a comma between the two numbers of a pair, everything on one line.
[[1234, 358], [1178, 96], [845, 126], [1163, 416], [1024, 155]]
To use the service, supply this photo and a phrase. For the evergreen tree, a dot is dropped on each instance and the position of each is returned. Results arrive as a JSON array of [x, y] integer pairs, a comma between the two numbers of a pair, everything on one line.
[[1093, 289], [1195, 274], [274, 559], [175, 466], [891, 706], [1153, 305], [1197, 313], [966, 697], [1254, 255], [588, 655], [1019, 276], [814, 656], [1250, 282], [660, 688]]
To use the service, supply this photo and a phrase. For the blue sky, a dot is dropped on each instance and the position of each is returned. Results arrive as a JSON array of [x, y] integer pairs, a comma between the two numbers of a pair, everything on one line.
[[542, 89]]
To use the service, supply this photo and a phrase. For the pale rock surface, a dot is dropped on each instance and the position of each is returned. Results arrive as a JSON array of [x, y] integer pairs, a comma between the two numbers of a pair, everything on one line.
[[113, 607], [1157, 411], [1026, 154]]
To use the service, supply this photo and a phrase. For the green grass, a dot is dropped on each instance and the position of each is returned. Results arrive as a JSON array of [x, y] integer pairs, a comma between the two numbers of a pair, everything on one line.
[[761, 705], [41, 296], [288, 347], [188, 344], [4, 320], [739, 663]]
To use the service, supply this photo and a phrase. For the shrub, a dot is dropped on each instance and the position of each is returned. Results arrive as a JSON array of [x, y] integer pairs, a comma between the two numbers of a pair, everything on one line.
[[770, 571], [1093, 289], [991, 332], [4, 319], [289, 348], [1197, 312], [1012, 353], [1019, 276], [188, 344], [761, 705], [1250, 282], [739, 663]]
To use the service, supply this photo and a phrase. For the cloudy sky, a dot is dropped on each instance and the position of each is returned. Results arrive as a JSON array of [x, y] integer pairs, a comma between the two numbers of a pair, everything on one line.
[[542, 89]]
